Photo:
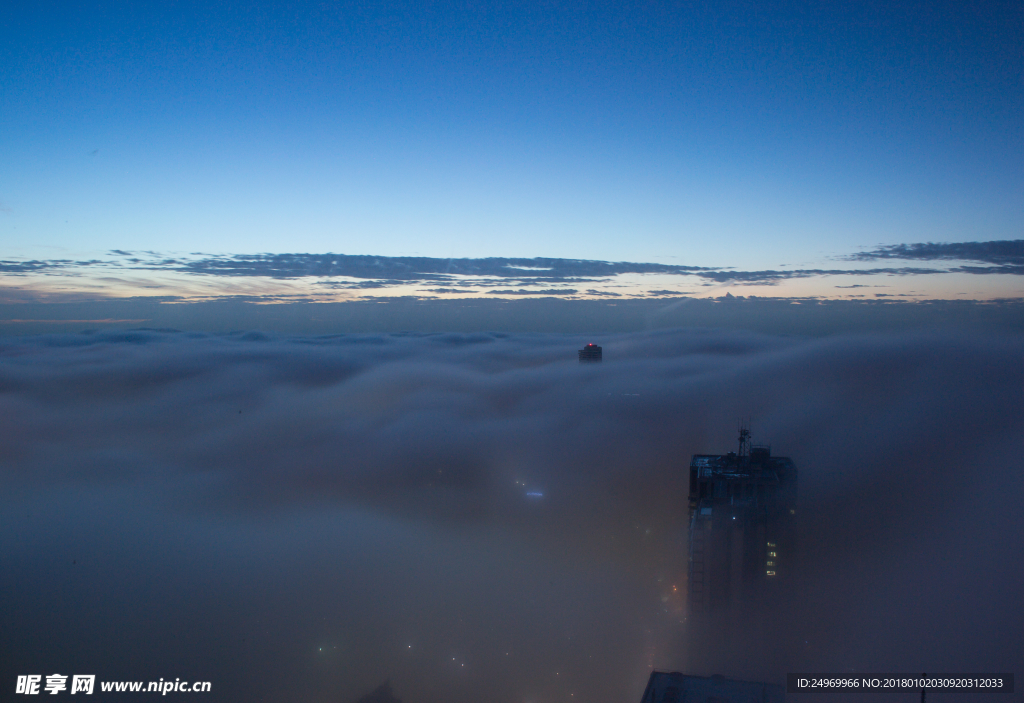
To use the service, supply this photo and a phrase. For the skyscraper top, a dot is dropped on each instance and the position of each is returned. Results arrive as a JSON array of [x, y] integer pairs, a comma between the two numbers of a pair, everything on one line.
[[590, 354]]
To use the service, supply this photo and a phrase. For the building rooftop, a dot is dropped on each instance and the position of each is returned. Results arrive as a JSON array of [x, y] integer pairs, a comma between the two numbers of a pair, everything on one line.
[[673, 687], [731, 466], [590, 353]]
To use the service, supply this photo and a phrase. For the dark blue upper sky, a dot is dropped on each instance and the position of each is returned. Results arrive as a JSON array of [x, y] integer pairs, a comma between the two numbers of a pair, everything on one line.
[[704, 134]]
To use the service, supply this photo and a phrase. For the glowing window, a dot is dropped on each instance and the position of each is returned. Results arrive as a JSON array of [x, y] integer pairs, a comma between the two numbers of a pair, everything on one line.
[[772, 554], [770, 573]]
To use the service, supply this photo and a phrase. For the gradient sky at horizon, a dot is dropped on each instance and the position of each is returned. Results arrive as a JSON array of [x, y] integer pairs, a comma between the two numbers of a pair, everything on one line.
[[713, 135]]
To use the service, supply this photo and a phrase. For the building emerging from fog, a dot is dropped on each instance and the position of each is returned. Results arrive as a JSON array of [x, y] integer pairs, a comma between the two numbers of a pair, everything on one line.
[[741, 510], [590, 354], [664, 687]]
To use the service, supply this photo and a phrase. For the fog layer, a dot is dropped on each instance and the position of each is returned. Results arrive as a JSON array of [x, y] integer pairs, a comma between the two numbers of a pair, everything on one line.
[[478, 517]]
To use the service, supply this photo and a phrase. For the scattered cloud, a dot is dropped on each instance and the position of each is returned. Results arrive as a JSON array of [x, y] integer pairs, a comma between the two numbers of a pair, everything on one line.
[[1013, 270], [414, 268], [203, 276], [772, 277], [16, 267], [421, 269], [359, 285], [525, 291], [460, 291], [1006, 256]]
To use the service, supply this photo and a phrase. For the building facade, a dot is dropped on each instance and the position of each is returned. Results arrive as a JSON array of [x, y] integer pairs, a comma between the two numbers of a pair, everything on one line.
[[590, 354], [742, 506]]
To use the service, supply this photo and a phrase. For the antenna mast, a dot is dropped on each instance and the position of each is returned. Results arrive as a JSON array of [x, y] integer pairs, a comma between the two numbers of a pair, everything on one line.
[[744, 439]]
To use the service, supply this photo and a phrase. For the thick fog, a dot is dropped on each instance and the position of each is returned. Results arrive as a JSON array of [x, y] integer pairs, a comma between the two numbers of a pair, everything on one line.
[[478, 517]]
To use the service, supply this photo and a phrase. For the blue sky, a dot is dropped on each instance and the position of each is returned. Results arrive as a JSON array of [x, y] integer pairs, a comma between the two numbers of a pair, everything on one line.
[[745, 135]]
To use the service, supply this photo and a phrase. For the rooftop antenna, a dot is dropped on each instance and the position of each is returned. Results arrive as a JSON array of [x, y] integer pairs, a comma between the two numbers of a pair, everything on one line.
[[744, 439]]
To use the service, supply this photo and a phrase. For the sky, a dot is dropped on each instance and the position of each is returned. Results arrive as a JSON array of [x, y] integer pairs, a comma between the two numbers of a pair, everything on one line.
[[784, 138]]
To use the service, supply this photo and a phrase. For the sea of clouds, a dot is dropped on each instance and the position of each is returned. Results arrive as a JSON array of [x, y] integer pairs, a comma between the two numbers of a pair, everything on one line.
[[479, 517]]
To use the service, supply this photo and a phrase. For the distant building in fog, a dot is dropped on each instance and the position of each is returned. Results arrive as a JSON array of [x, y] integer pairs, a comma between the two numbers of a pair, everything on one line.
[[590, 354], [741, 509], [664, 687]]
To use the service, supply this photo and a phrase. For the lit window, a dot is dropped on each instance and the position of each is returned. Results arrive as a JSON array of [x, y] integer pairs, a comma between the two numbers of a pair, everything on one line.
[[770, 573], [771, 563], [772, 554]]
